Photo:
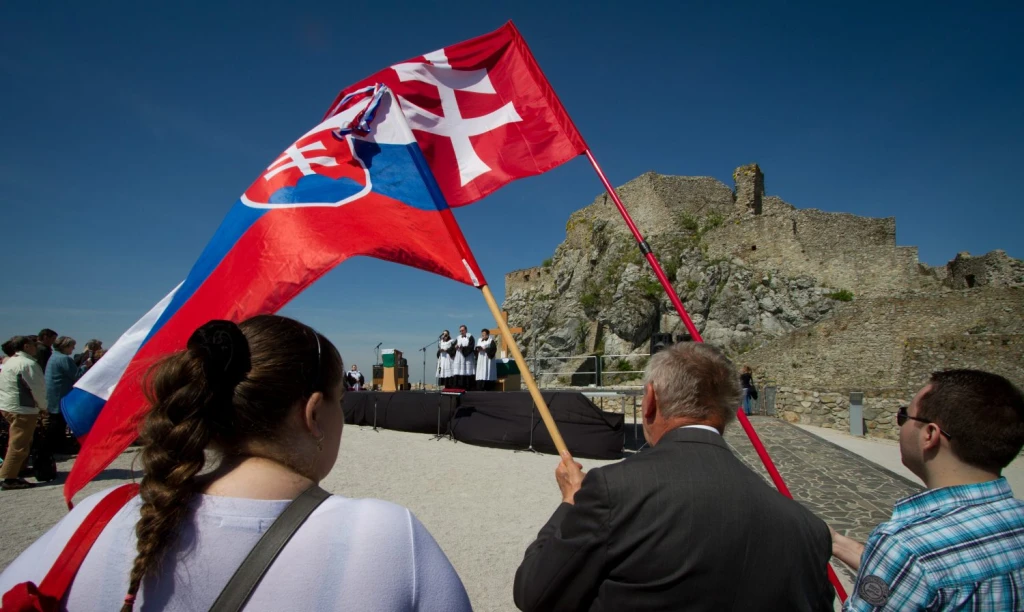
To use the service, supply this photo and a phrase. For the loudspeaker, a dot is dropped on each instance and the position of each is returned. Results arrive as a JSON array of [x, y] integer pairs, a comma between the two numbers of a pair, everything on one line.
[[660, 342]]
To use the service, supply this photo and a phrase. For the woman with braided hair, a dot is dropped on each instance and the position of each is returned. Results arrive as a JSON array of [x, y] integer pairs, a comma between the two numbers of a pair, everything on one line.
[[264, 399]]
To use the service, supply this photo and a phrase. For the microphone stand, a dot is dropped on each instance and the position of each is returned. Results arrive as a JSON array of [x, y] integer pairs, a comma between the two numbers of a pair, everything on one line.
[[423, 383]]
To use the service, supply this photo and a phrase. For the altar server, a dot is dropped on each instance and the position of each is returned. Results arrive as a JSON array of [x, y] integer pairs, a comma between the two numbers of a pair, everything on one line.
[[465, 359], [486, 366], [445, 360]]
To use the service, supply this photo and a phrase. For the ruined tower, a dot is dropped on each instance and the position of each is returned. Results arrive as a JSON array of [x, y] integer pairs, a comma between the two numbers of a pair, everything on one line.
[[749, 187]]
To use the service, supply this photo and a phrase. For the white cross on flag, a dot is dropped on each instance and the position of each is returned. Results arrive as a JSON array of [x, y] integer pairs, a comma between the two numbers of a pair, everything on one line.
[[482, 112]]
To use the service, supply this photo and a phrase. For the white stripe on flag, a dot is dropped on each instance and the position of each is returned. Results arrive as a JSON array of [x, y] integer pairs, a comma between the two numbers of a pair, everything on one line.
[[101, 379]]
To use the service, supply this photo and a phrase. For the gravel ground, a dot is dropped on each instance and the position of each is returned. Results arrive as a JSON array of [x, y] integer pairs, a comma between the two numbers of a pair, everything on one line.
[[482, 505]]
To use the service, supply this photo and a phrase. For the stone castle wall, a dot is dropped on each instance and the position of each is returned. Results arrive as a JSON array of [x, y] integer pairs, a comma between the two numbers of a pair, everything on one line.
[[528, 278], [864, 344], [843, 251], [998, 353], [887, 349], [1001, 354], [832, 410], [995, 268]]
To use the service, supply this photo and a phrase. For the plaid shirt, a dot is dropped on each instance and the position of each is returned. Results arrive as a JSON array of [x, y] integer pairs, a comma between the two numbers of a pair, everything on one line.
[[946, 549]]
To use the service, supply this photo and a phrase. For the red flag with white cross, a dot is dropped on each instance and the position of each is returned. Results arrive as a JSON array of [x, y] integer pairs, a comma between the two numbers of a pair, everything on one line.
[[482, 112]]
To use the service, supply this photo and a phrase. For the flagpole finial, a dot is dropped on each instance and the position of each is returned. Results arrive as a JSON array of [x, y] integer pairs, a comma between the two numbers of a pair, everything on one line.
[[360, 124]]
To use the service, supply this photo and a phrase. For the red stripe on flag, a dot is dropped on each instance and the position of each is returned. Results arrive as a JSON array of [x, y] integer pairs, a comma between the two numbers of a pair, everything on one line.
[[284, 251]]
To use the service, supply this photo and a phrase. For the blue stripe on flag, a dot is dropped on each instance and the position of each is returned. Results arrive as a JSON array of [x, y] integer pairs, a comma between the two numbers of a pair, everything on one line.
[[240, 218], [80, 409]]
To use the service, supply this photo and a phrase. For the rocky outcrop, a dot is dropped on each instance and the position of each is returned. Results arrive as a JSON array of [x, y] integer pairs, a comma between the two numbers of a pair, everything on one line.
[[754, 274]]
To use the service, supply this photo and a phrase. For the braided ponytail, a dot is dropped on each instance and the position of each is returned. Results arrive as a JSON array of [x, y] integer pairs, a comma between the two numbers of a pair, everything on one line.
[[192, 396]]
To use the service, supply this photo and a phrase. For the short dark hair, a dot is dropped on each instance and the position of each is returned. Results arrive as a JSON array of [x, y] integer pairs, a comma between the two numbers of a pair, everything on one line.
[[46, 332], [8, 348], [983, 413], [94, 344], [17, 343]]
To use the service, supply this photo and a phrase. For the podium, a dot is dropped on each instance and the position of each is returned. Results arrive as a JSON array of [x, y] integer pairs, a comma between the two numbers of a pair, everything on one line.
[[395, 375], [509, 378]]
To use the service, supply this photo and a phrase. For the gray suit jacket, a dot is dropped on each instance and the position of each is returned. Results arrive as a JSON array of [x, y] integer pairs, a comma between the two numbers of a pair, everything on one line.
[[682, 526]]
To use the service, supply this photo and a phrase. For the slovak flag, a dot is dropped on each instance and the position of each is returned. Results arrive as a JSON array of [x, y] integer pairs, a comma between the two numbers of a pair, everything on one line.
[[357, 184], [482, 112]]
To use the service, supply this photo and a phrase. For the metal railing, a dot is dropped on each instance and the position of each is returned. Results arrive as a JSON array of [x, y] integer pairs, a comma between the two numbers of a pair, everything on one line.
[[560, 371]]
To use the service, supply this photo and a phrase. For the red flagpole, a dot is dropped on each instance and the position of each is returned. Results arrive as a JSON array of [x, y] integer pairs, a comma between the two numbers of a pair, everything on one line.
[[645, 248]]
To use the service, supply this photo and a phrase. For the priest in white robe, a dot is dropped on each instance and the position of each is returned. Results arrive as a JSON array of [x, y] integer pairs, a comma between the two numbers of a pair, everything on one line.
[[464, 367], [486, 366], [445, 360]]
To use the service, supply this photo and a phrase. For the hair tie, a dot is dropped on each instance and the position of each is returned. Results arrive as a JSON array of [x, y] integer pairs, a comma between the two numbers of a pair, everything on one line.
[[224, 352]]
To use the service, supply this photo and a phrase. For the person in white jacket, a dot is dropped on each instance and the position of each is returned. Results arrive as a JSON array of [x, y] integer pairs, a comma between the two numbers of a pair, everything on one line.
[[22, 400]]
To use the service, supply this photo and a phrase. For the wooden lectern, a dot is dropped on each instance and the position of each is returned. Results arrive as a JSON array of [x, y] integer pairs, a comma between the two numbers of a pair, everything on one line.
[[396, 375]]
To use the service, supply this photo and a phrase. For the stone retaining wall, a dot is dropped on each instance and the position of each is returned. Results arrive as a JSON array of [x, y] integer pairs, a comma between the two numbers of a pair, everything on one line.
[[831, 410]]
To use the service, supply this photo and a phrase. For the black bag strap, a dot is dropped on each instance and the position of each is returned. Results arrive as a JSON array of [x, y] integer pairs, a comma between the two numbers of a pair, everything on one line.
[[239, 589]]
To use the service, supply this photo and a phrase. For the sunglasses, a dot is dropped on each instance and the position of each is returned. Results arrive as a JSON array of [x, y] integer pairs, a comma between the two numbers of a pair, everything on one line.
[[902, 417]]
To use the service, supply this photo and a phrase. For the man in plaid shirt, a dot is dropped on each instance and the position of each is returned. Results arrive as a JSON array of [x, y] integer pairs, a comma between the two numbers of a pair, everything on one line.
[[960, 544]]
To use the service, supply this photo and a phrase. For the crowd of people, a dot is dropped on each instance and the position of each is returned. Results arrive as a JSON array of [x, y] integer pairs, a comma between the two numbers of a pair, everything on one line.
[[682, 525], [36, 372], [466, 363]]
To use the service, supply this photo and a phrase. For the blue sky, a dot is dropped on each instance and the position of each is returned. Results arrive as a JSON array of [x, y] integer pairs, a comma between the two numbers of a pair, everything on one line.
[[126, 134]]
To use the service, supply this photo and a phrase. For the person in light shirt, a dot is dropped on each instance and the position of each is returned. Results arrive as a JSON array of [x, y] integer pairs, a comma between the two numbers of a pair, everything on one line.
[[22, 402], [960, 544]]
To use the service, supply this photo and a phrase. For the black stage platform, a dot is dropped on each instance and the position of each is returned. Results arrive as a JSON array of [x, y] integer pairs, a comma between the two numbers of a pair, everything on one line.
[[501, 419]]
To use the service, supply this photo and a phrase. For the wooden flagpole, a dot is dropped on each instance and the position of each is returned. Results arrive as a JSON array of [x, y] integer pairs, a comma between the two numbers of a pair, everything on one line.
[[531, 384]]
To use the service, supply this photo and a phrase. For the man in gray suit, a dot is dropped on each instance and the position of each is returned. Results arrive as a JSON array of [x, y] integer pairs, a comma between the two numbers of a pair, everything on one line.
[[682, 526]]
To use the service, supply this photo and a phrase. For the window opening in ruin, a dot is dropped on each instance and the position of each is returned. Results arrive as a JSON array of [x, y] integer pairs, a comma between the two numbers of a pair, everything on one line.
[[971, 280], [526, 277], [794, 228], [753, 247]]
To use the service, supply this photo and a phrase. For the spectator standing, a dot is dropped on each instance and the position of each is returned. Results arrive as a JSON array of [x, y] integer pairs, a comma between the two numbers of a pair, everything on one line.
[[22, 400], [960, 544], [8, 351], [683, 526], [61, 376], [90, 350], [749, 390], [44, 346]]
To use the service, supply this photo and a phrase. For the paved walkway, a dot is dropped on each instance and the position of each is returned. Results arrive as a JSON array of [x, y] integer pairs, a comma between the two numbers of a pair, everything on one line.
[[886, 454], [851, 493]]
